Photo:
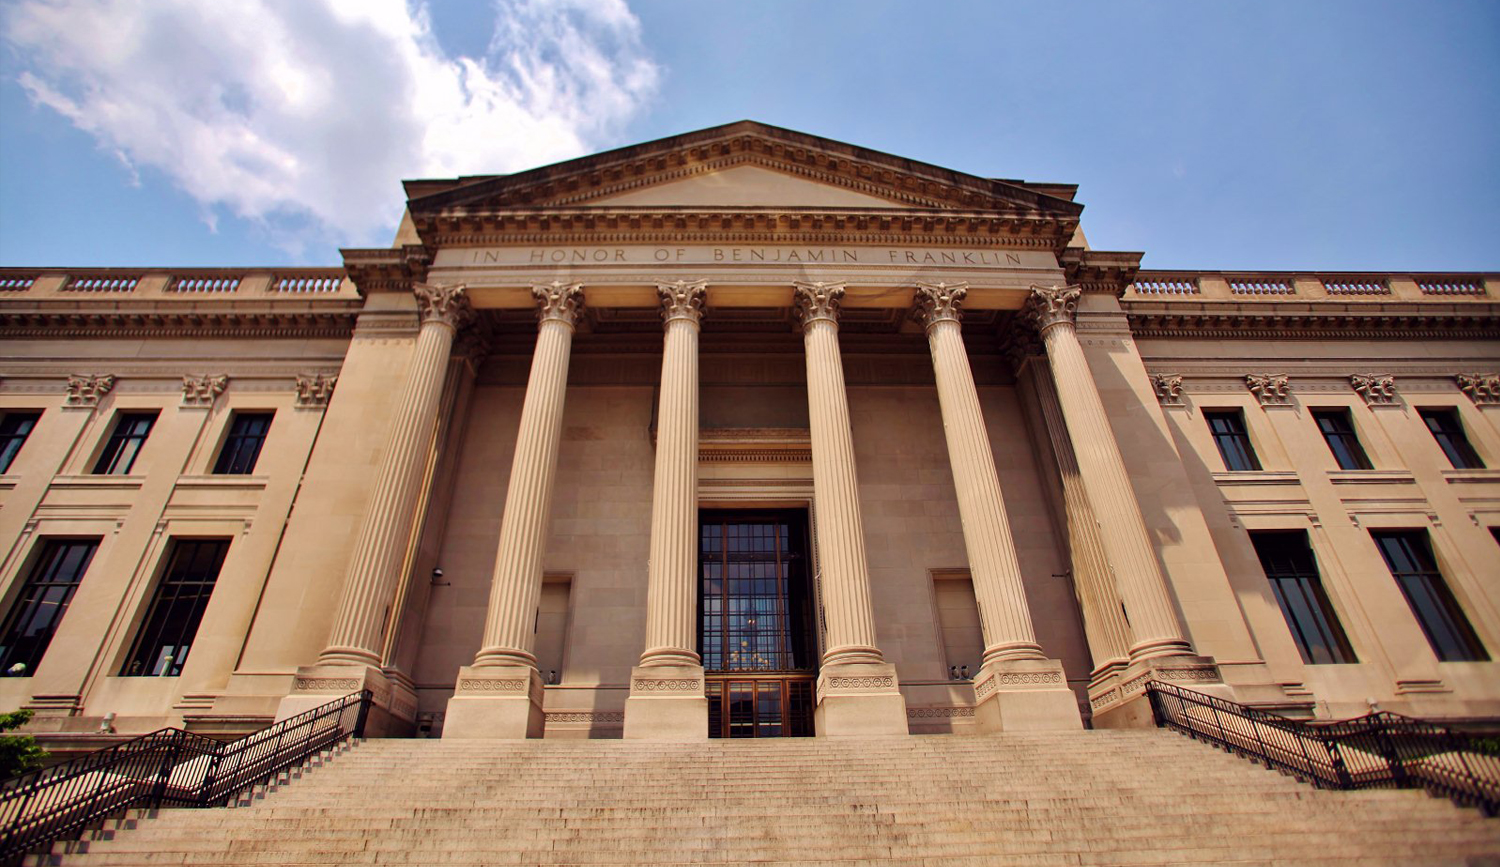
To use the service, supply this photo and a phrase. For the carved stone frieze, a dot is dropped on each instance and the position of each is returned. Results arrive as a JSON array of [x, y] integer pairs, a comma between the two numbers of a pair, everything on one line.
[[1271, 389], [314, 389], [584, 716], [559, 301], [85, 390], [818, 301], [321, 684], [667, 684], [1378, 389], [203, 390], [1481, 388], [447, 304], [938, 302], [956, 712], [878, 682], [1168, 388], [682, 299], [1052, 305], [476, 684]]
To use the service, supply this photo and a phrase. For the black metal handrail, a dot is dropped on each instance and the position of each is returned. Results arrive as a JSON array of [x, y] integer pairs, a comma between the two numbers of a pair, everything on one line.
[[1381, 750], [169, 767]]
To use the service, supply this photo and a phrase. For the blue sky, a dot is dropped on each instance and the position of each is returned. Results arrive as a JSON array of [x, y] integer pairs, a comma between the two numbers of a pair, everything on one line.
[[1281, 135]]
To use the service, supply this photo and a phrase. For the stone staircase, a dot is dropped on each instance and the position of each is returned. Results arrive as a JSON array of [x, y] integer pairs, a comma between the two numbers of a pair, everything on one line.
[[1098, 797]]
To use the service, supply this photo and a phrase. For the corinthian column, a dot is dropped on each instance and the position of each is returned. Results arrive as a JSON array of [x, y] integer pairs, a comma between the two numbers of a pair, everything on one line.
[[857, 689], [666, 689], [1020, 688], [500, 695], [351, 661]]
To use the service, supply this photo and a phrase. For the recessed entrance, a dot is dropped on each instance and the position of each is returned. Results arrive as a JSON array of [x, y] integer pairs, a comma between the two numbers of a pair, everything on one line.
[[755, 624]]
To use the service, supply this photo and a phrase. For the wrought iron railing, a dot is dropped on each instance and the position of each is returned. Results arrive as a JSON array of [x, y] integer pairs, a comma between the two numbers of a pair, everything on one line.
[[170, 767], [1379, 750]]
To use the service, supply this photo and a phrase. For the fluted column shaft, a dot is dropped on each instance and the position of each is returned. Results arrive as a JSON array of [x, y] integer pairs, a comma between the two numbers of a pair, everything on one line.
[[1003, 613], [1103, 624], [841, 537], [517, 583], [1143, 588], [671, 598], [380, 548]]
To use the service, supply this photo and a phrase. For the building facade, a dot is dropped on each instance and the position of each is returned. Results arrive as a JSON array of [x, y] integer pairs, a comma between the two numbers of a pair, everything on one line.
[[742, 433]]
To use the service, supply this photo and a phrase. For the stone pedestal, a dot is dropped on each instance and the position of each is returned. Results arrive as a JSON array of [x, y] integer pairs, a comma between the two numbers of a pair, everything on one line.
[[392, 714], [495, 701], [666, 703], [859, 699], [1119, 701], [1025, 695]]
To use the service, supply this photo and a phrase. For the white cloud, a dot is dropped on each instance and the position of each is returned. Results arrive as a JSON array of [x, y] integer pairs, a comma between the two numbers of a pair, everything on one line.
[[304, 114]]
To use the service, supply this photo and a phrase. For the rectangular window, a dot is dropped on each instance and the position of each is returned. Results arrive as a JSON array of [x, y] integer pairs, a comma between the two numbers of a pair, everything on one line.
[[1338, 431], [1288, 561], [131, 430], [247, 433], [1449, 433], [171, 624], [42, 602], [1228, 429], [1408, 554], [15, 427]]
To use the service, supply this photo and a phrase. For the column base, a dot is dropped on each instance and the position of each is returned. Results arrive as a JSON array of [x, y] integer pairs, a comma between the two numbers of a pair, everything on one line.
[[497, 701], [859, 699], [1025, 695], [666, 703], [1119, 699], [393, 713]]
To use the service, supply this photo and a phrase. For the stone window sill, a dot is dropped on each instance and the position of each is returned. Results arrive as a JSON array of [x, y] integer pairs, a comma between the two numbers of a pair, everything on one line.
[[1257, 477], [1371, 477], [1456, 477]]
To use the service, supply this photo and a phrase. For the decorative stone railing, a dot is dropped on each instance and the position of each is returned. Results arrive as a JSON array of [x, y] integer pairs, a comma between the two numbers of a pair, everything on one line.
[[196, 284], [1270, 286]]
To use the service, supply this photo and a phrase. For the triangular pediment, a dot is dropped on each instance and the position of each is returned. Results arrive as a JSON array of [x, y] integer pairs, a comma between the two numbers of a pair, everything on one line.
[[744, 165], [743, 186]]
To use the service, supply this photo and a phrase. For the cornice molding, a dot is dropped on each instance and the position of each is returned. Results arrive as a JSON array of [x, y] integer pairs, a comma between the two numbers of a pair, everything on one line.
[[1321, 321], [178, 321]]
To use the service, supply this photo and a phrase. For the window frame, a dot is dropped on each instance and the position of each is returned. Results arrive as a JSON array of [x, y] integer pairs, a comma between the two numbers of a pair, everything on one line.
[[1240, 438], [1425, 587], [1454, 442], [173, 587], [27, 602], [108, 461], [1311, 610], [1347, 438], [234, 445], [12, 443]]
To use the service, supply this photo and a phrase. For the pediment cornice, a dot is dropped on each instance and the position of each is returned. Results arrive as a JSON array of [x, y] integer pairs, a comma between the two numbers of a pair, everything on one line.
[[908, 186]]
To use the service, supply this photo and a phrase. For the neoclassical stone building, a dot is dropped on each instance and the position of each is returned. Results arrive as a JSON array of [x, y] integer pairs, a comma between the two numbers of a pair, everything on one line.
[[743, 433]]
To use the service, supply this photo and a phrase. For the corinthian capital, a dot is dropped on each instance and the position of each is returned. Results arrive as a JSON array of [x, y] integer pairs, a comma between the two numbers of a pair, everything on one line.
[[558, 301], [447, 304], [682, 299], [817, 301], [1052, 305], [938, 302]]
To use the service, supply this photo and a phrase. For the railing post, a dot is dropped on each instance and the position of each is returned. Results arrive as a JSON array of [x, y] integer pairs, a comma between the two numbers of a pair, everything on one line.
[[1220, 723], [365, 699], [1391, 754], [164, 771], [1340, 771], [206, 786], [1306, 758]]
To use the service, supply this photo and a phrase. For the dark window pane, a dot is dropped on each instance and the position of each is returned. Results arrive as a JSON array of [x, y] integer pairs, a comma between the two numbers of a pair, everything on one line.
[[247, 433], [1449, 433], [131, 430], [1338, 432], [15, 427], [171, 624], [1408, 554], [41, 604], [1228, 429], [1288, 561]]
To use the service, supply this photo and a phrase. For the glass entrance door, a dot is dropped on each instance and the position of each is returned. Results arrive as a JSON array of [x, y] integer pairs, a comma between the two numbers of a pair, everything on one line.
[[755, 624]]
